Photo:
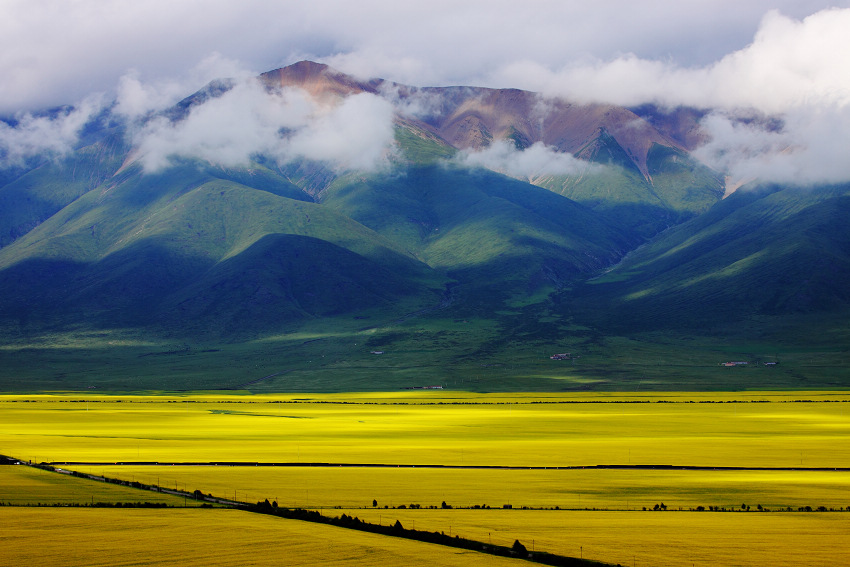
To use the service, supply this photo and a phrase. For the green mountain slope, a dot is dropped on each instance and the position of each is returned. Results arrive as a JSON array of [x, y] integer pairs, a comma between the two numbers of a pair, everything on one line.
[[761, 252], [33, 196], [132, 253], [674, 189], [487, 231]]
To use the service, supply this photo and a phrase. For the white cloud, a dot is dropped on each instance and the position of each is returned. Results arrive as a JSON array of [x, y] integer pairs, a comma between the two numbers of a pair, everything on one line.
[[248, 120], [49, 135], [535, 161], [135, 98], [412, 101], [781, 57], [795, 70], [55, 51], [788, 63], [809, 148], [356, 134]]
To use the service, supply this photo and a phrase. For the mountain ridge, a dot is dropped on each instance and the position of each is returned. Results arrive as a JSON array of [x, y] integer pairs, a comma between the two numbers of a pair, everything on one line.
[[431, 254]]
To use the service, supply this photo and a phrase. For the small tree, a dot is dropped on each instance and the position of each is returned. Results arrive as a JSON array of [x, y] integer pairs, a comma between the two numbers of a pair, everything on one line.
[[519, 549], [374, 503]]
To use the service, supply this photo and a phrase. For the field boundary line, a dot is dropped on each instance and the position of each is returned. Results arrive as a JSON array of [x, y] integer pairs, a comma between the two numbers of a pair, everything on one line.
[[431, 466]]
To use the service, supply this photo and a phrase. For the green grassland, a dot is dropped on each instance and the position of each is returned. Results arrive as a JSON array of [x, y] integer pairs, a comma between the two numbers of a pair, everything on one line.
[[77, 536], [506, 351]]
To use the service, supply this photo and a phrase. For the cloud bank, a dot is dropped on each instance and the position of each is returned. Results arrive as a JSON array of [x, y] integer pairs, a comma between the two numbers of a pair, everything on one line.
[[248, 121], [527, 164], [795, 70], [809, 148], [781, 58], [54, 52], [53, 135], [788, 63]]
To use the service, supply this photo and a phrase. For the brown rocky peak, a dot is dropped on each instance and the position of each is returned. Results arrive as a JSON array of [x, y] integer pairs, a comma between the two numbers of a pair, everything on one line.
[[318, 79]]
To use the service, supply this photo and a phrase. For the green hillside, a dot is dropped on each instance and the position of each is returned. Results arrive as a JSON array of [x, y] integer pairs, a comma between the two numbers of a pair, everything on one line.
[[677, 187], [760, 252], [174, 251], [500, 239], [32, 196]]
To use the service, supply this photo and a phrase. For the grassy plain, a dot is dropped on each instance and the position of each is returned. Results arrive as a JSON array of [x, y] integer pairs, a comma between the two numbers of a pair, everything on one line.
[[504, 352], [194, 537]]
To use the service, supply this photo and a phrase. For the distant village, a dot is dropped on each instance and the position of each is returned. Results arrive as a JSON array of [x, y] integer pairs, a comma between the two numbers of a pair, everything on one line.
[[747, 363]]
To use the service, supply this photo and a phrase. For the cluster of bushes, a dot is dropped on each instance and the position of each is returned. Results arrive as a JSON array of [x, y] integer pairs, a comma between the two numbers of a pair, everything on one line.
[[760, 508]]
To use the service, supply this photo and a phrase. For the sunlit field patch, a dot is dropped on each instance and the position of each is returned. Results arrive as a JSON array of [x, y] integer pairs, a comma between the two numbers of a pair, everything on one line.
[[455, 429], [194, 537], [27, 486], [748, 539], [329, 487]]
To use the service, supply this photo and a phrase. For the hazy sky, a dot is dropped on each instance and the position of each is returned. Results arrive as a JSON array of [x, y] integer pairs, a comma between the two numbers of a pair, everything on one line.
[[58, 51], [787, 57]]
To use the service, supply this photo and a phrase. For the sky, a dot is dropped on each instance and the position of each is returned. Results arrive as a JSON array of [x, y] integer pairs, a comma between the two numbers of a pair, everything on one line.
[[784, 58]]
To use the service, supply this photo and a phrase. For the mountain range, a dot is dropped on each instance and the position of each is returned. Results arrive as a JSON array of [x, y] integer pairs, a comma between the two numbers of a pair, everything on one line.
[[445, 252]]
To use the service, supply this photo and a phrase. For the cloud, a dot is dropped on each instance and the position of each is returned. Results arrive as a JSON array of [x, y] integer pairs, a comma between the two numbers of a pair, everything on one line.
[[781, 57], [248, 120], [356, 134], [797, 71], [788, 63], [412, 102], [136, 99], [535, 161], [810, 146], [475, 42], [53, 52], [52, 135]]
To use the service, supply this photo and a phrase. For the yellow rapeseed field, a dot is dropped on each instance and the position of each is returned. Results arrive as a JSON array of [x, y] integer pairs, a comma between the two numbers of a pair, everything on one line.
[[515, 431], [27, 486], [671, 539], [314, 487], [750, 430], [195, 537]]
